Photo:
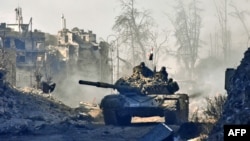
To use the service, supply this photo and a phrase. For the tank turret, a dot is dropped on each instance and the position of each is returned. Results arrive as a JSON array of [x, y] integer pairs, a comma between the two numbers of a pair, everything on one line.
[[142, 81], [128, 85]]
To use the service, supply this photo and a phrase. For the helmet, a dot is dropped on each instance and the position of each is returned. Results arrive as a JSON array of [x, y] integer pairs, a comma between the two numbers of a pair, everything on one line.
[[142, 64], [163, 68]]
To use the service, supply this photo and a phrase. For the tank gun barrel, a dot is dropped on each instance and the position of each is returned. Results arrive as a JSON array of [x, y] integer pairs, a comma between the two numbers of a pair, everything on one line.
[[121, 89], [97, 84]]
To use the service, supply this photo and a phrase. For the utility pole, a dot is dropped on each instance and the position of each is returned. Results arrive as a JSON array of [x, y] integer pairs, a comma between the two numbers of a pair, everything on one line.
[[112, 65], [117, 55]]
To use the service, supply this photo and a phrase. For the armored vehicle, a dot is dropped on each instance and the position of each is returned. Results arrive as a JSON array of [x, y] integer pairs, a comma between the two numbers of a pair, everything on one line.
[[143, 97]]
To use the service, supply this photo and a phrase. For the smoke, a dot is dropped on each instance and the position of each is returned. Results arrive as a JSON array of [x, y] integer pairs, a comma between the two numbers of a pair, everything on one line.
[[70, 92], [209, 76]]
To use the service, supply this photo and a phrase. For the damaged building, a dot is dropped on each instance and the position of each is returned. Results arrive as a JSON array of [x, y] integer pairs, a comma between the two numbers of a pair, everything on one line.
[[21, 49], [26, 53], [85, 55]]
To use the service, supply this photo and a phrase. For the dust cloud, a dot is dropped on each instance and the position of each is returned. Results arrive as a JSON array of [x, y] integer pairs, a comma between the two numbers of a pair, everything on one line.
[[70, 92], [209, 75]]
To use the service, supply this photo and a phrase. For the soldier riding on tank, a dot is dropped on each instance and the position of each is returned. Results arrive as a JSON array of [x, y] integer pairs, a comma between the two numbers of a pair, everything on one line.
[[142, 70], [162, 74]]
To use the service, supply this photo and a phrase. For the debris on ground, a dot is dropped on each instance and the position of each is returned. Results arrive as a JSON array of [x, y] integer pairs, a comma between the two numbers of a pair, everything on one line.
[[30, 112], [237, 106]]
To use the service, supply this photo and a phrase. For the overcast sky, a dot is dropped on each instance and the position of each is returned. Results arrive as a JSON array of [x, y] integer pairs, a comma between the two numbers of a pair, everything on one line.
[[99, 15], [95, 15]]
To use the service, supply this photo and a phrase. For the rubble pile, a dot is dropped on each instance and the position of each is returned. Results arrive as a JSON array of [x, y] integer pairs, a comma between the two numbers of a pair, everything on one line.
[[22, 112], [237, 107]]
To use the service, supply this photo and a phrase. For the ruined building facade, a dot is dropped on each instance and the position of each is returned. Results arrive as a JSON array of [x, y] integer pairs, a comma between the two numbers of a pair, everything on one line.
[[25, 53], [89, 57], [21, 49]]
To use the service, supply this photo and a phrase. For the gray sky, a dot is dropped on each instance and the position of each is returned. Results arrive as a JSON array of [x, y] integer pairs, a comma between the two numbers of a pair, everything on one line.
[[99, 15], [95, 15]]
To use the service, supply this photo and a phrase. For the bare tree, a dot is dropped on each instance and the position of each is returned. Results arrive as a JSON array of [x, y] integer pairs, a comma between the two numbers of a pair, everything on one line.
[[222, 13], [214, 107], [157, 44], [241, 16], [187, 26], [133, 26]]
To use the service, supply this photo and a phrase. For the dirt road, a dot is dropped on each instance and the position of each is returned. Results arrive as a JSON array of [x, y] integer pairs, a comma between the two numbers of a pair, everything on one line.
[[88, 132]]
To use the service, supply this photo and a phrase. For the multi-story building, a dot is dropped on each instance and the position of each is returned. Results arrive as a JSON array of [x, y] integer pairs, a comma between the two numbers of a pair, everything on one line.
[[24, 48], [90, 57], [26, 52]]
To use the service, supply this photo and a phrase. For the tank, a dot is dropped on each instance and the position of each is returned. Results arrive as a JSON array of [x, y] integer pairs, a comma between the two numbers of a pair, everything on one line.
[[142, 96]]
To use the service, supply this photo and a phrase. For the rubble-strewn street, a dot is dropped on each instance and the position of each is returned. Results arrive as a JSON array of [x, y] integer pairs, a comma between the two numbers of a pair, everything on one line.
[[35, 117], [23, 112]]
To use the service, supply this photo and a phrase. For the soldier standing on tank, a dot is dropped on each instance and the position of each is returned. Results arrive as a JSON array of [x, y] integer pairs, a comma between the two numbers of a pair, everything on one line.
[[163, 74], [143, 70]]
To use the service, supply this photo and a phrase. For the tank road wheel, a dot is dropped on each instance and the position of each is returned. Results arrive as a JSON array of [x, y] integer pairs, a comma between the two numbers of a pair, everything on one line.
[[111, 106], [110, 117]]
